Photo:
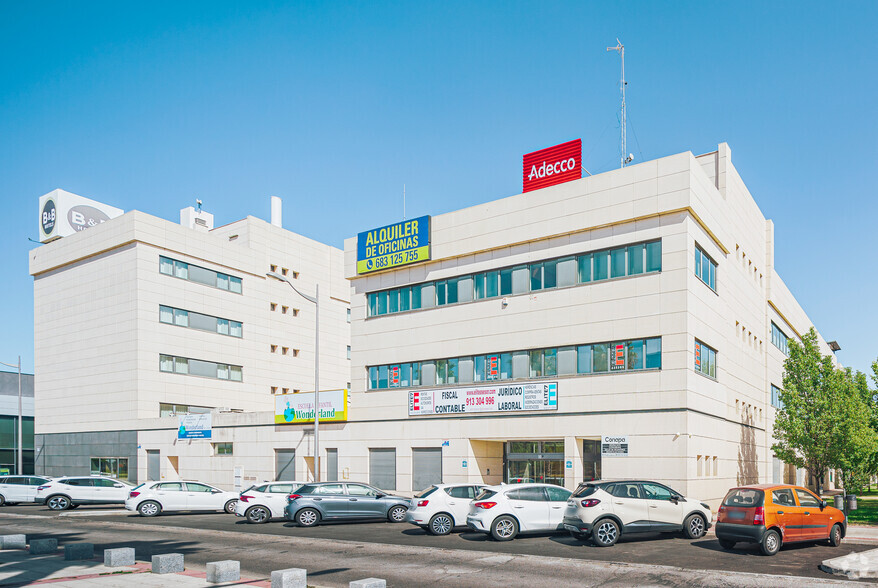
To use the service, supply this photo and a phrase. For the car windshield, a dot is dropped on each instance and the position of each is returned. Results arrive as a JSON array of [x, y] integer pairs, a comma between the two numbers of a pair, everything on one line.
[[426, 492], [744, 497], [584, 490], [485, 494]]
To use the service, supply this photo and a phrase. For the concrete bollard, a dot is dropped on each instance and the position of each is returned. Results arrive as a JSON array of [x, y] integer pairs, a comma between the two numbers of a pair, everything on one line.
[[13, 542], [119, 557], [369, 583], [223, 571], [43, 546], [289, 578], [79, 551], [167, 563]]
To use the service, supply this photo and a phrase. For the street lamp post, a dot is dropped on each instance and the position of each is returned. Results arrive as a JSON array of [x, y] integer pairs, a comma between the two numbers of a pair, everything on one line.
[[20, 418], [316, 300]]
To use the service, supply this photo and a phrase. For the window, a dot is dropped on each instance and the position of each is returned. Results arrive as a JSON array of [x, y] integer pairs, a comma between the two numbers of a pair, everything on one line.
[[705, 268], [807, 499], [202, 275], [196, 487], [284, 271], [779, 339], [178, 409], [114, 467], [656, 492], [629, 260], [222, 448], [198, 367], [349, 351], [705, 359], [783, 497], [201, 322], [285, 350], [349, 310], [642, 354], [284, 309], [776, 402]]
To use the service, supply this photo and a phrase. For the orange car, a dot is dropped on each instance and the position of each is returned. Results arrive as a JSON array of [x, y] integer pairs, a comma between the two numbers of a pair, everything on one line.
[[773, 514]]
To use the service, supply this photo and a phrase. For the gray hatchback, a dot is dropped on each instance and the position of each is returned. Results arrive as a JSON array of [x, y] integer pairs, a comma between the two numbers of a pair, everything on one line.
[[325, 501]]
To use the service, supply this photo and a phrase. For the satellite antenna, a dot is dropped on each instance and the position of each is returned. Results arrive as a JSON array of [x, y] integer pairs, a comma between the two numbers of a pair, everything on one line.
[[620, 49]]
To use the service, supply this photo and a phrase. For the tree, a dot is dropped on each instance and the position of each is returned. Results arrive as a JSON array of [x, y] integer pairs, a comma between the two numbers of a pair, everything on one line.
[[856, 434], [825, 422]]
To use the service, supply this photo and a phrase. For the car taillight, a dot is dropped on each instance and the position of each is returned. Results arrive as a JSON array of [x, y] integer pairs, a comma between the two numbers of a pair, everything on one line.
[[42, 487], [759, 516], [423, 502], [485, 505], [244, 498], [590, 502], [133, 494], [293, 497]]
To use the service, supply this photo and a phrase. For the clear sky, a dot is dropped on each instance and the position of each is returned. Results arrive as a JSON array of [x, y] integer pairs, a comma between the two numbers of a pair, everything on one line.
[[334, 106]]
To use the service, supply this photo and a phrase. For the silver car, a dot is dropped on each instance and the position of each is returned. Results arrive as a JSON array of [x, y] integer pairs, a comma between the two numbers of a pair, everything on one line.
[[324, 501]]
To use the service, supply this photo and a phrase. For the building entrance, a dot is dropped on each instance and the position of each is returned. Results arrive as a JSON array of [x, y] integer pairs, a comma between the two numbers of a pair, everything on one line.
[[534, 461]]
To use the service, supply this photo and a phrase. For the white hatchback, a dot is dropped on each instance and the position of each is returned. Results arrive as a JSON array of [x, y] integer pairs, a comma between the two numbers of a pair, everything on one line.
[[506, 510], [441, 507], [72, 491], [260, 504], [15, 489], [153, 498]]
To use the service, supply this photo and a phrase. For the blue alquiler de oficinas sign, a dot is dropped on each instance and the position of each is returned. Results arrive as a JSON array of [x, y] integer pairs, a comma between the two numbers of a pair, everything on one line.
[[394, 245]]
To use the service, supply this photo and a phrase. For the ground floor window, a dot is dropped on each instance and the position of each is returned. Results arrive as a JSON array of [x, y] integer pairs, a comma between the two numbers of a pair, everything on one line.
[[591, 459], [223, 448], [534, 461], [115, 467]]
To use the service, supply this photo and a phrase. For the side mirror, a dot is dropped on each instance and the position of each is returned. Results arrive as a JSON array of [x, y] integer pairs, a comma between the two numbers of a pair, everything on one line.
[[823, 504], [215, 491], [379, 495]]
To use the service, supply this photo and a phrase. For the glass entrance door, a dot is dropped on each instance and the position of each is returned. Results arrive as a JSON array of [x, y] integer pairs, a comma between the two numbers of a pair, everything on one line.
[[591, 460], [535, 461]]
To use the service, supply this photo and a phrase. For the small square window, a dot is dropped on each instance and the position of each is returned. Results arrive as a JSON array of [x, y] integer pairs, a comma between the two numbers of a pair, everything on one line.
[[295, 353], [273, 268], [273, 306], [295, 275], [284, 271], [274, 389], [274, 348], [286, 390], [285, 350], [295, 312], [296, 390], [284, 309]]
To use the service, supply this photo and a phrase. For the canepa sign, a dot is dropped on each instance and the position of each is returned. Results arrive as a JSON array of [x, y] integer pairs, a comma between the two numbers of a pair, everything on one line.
[[394, 245], [553, 165], [63, 214], [299, 408]]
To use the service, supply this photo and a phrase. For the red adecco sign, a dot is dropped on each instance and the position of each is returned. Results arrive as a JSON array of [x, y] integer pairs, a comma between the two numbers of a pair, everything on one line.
[[553, 165]]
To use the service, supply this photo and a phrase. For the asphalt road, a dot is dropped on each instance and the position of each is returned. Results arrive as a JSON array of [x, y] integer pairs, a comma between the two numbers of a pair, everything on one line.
[[800, 560]]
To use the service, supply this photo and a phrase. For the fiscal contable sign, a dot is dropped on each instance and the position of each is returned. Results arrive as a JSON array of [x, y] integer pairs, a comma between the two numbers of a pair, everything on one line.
[[299, 408], [614, 446], [489, 398], [553, 165], [194, 426], [394, 245]]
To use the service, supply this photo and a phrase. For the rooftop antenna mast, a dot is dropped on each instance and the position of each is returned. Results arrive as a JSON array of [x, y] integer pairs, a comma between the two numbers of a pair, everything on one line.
[[620, 49], [403, 202]]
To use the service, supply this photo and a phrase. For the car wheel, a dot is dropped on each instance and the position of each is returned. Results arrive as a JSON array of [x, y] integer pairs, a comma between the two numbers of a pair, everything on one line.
[[504, 528], [58, 502], [441, 524], [149, 508], [257, 515], [2, 500], [726, 544], [694, 527], [835, 536], [605, 533], [307, 517], [230, 506], [397, 514], [770, 543]]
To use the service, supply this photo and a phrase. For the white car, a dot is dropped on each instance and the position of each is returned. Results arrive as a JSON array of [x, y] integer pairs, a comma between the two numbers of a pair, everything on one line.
[[15, 489], [153, 498], [72, 491], [605, 510], [506, 510], [441, 507], [260, 504]]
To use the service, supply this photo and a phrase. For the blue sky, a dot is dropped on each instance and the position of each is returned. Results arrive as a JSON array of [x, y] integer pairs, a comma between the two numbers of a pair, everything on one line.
[[334, 106]]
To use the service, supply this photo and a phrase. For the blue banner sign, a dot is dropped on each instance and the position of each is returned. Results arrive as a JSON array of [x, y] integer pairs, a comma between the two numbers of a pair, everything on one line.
[[194, 426], [394, 245]]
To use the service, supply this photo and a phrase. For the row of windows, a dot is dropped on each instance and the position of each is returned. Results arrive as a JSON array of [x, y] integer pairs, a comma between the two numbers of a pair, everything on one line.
[[202, 322], [637, 354], [179, 409], [114, 467], [543, 275], [202, 275], [705, 268], [198, 367], [779, 339], [775, 397], [705, 359]]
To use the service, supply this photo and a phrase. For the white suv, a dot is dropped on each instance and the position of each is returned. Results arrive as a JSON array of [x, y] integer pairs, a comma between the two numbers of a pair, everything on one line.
[[260, 504], [153, 498], [441, 507], [506, 510], [15, 489], [72, 491], [604, 510]]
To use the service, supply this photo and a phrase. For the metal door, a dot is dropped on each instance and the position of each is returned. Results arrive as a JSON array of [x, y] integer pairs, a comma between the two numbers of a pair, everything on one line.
[[331, 465], [426, 467], [382, 468], [153, 465], [285, 464]]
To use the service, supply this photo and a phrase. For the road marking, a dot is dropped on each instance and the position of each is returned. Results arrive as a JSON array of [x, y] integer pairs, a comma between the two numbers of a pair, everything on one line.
[[94, 513]]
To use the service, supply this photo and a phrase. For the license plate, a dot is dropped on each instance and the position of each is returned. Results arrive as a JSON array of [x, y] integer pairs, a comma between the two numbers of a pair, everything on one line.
[[737, 514]]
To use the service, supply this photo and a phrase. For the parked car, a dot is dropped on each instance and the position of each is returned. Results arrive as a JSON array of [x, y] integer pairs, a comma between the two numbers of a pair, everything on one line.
[[605, 510], [323, 501], [441, 507], [504, 511], [774, 514], [153, 498], [260, 504], [15, 489], [73, 491]]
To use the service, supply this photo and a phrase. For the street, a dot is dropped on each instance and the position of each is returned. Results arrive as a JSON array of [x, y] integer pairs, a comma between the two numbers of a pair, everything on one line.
[[405, 555]]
